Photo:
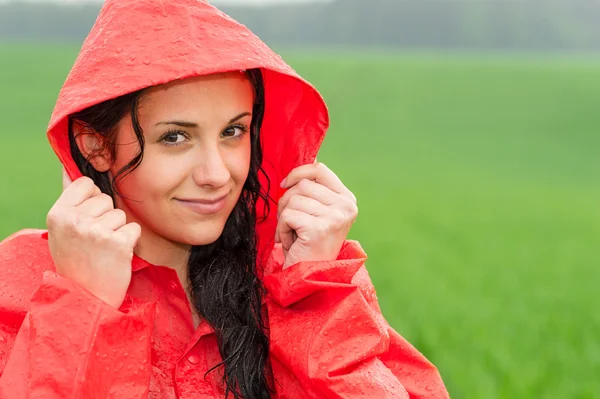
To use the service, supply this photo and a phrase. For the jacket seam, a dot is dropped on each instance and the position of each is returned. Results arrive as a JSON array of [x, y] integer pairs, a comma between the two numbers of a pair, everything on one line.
[[87, 345]]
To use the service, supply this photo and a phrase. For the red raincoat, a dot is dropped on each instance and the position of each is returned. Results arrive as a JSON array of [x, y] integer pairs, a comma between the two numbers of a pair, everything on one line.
[[328, 337]]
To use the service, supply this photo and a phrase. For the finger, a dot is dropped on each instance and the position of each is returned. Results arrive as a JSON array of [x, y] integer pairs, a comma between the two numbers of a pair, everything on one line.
[[310, 189], [290, 223], [79, 191], [130, 232], [97, 206], [305, 204], [112, 220], [317, 172], [286, 236], [288, 241], [66, 180]]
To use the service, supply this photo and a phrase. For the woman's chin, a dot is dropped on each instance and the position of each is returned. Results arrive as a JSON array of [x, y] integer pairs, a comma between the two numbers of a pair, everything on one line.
[[205, 236]]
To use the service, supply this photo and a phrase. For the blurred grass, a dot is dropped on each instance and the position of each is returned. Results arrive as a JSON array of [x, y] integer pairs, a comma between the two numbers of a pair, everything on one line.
[[478, 183]]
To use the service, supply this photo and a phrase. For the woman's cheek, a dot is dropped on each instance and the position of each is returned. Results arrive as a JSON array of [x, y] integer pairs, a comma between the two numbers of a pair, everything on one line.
[[239, 162]]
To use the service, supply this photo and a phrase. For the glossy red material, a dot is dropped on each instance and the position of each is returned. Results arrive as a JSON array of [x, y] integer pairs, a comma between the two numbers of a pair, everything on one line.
[[328, 336]]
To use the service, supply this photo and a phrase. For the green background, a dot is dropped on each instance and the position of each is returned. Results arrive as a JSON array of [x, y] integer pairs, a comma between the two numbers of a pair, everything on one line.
[[477, 178]]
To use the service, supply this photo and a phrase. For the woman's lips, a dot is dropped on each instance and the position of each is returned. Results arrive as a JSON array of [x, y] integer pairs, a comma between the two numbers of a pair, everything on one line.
[[204, 206]]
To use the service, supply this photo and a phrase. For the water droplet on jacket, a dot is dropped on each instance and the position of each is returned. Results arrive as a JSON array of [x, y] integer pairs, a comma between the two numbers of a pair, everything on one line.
[[147, 61], [119, 50]]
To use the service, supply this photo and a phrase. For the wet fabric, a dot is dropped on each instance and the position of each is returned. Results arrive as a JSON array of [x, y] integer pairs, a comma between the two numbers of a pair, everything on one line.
[[328, 338]]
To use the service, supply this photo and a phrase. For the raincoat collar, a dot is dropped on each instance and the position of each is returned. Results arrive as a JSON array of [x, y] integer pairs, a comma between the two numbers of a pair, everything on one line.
[[138, 263]]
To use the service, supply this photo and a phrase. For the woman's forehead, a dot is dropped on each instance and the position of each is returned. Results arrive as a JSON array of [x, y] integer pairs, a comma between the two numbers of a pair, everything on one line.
[[210, 94]]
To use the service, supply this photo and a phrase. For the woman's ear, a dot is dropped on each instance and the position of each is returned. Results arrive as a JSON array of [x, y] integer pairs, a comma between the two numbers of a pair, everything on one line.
[[92, 146]]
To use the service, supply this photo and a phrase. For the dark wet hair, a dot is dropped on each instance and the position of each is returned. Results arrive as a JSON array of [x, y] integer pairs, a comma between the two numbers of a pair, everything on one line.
[[225, 287]]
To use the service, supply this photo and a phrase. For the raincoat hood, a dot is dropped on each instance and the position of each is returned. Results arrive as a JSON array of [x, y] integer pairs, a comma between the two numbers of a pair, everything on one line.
[[136, 44]]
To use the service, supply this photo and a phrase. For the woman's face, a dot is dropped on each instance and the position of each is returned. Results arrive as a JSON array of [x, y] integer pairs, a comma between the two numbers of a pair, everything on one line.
[[196, 157]]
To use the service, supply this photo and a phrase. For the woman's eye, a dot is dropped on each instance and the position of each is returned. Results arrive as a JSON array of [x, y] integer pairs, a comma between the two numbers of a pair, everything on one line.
[[173, 138], [235, 131]]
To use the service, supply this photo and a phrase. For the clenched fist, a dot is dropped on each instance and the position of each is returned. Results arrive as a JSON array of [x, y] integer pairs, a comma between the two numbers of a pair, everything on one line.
[[315, 215], [90, 241]]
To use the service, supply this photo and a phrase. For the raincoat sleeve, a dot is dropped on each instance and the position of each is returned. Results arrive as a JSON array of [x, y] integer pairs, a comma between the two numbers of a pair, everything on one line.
[[63, 342], [327, 330]]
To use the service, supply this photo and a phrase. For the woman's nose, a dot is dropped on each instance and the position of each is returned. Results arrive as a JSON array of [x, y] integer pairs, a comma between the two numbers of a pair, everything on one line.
[[211, 169]]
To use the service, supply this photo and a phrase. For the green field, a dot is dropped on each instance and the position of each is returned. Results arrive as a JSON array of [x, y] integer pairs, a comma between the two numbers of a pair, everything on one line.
[[478, 184]]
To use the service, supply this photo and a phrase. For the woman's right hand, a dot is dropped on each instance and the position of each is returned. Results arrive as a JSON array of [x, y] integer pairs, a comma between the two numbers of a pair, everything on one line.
[[90, 241]]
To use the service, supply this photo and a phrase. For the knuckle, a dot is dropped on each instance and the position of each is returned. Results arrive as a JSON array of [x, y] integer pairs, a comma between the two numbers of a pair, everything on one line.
[[137, 229], [106, 199], [75, 223], [99, 230], [340, 217], [351, 208], [120, 214], [128, 239], [52, 218], [85, 181], [285, 214], [283, 200], [304, 185], [353, 213], [352, 197], [95, 233]]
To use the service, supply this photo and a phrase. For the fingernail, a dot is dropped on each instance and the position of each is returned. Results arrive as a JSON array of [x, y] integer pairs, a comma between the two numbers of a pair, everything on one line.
[[282, 185]]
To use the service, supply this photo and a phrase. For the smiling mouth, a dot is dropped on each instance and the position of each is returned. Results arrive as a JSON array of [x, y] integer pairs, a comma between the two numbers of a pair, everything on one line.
[[204, 206]]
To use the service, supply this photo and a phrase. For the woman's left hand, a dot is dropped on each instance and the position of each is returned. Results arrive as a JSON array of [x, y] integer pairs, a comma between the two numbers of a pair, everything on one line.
[[315, 215]]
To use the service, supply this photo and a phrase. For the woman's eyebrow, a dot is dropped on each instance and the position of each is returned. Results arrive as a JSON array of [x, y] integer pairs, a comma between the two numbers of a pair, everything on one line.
[[195, 125], [179, 123], [240, 116]]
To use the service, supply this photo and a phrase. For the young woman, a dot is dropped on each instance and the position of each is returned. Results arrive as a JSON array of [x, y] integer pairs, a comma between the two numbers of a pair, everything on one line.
[[197, 250]]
